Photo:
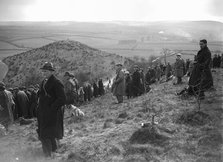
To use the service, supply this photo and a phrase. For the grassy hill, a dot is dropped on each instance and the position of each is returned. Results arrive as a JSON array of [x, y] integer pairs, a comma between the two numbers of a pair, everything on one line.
[[112, 132], [66, 55]]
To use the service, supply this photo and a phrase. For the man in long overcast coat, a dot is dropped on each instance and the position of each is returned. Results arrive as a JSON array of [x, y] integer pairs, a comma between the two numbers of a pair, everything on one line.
[[201, 77], [50, 110]]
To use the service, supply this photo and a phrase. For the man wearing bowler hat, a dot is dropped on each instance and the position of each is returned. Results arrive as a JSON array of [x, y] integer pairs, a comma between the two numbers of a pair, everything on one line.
[[118, 87], [50, 112]]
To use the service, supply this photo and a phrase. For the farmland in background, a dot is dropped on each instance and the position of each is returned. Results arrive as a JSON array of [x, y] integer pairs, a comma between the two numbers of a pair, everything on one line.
[[128, 39]]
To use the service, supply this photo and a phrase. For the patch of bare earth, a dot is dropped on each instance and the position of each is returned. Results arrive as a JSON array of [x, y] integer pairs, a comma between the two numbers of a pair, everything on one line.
[[113, 132]]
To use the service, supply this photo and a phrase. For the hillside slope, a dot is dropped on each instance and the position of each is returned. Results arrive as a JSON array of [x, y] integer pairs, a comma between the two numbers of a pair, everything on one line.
[[104, 135], [66, 55]]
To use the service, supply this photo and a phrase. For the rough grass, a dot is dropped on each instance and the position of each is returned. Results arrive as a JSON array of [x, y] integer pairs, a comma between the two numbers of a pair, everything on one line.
[[112, 132]]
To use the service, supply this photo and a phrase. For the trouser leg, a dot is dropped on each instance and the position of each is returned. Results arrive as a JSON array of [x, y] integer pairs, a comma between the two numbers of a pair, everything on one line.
[[119, 98], [54, 144], [179, 80], [46, 146]]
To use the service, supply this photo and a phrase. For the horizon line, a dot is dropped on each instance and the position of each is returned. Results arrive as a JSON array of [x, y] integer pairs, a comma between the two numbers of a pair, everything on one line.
[[139, 21]]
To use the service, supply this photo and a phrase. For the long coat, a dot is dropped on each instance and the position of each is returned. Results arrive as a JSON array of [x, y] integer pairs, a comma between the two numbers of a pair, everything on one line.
[[118, 87], [70, 91], [50, 110], [6, 104], [22, 104], [168, 70], [179, 68], [158, 73], [201, 73]]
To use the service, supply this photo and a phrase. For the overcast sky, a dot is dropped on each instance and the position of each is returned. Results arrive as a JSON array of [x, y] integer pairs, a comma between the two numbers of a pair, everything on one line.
[[109, 10]]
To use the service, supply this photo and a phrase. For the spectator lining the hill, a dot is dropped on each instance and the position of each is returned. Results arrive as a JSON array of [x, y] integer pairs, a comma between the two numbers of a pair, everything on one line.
[[70, 89], [168, 71], [52, 98], [179, 68], [136, 82], [201, 77], [6, 106], [118, 87]]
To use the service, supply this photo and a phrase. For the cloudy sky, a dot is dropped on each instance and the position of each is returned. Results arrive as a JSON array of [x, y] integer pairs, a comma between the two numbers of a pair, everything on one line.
[[109, 10]]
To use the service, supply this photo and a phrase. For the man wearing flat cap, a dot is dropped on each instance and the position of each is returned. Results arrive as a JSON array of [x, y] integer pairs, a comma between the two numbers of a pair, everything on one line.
[[118, 87], [70, 89], [201, 77], [179, 67], [50, 110]]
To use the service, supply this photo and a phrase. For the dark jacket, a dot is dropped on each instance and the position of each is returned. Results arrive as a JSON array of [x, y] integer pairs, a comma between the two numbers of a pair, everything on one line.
[[50, 112], [136, 89], [22, 104], [201, 73]]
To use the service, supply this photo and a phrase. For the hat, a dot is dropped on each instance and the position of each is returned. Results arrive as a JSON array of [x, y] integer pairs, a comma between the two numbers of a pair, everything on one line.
[[2, 85], [204, 41], [178, 54], [48, 66], [67, 73], [126, 72], [119, 64], [71, 75]]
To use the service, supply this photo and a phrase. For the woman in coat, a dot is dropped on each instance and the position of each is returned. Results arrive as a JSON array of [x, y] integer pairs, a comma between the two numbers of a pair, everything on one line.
[[50, 112]]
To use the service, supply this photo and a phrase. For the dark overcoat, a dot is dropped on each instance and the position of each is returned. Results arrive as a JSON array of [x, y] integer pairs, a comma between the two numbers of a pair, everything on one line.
[[136, 89], [201, 73], [50, 109], [22, 104]]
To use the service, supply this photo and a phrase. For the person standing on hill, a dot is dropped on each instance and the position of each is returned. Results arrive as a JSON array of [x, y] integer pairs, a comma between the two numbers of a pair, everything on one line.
[[158, 72], [95, 89], [222, 60], [179, 68], [142, 81], [136, 76], [215, 61], [118, 87], [50, 112], [168, 71], [201, 77], [101, 87], [187, 65], [22, 103], [6, 106], [70, 89], [128, 81]]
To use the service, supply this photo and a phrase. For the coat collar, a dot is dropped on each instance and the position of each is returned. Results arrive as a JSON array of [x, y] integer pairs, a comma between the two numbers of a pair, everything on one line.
[[50, 81]]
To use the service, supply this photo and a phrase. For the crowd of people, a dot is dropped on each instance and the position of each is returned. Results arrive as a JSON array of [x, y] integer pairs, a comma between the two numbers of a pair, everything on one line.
[[47, 100], [198, 70]]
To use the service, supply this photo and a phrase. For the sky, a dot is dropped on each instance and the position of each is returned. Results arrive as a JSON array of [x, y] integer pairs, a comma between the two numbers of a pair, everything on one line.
[[110, 10]]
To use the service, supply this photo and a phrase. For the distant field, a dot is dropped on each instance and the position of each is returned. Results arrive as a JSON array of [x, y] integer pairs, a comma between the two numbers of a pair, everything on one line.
[[32, 42], [5, 45], [25, 36], [6, 53]]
